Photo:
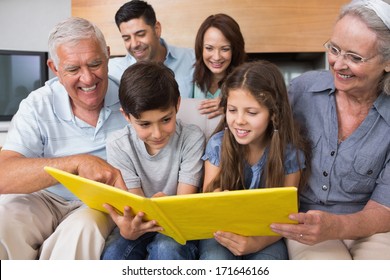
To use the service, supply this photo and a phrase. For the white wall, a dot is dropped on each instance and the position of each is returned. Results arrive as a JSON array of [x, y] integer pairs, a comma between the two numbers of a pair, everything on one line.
[[25, 25]]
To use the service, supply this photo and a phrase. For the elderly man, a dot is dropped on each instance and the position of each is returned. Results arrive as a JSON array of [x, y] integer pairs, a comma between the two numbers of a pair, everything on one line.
[[64, 124]]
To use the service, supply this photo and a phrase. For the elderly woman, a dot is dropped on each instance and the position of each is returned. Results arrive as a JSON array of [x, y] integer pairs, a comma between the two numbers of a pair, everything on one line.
[[344, 211]]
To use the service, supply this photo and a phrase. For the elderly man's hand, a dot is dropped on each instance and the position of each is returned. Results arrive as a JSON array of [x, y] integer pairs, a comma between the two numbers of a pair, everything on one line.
[[97, 169]]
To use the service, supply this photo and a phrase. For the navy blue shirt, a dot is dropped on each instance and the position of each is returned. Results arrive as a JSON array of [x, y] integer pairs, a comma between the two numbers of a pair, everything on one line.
[[344, 176]]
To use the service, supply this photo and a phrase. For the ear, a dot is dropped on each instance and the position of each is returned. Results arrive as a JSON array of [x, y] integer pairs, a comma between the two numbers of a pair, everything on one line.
[[51, 65], [125, 115], [158, 29], [108, 51], [178, 104], [387, 68]]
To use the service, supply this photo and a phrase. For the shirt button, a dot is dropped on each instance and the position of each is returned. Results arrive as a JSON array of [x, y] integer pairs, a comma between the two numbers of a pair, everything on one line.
[[332, 153], [324, 188], [325, 174], [369, 172]]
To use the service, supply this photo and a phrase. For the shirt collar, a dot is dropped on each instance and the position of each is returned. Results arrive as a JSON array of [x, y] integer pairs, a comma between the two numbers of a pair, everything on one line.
[[381, 104], [61, 103], [171, 51], [326, 84]]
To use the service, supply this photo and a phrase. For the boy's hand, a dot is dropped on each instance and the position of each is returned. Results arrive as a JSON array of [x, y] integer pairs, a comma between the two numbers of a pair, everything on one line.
[[159, 194], [131, 227]]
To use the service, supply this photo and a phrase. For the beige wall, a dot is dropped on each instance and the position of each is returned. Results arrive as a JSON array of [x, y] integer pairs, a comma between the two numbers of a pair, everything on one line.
[[267, 25]]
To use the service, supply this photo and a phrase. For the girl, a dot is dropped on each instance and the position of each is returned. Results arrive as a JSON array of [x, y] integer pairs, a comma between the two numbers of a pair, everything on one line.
[[255, 145], [219, 47]]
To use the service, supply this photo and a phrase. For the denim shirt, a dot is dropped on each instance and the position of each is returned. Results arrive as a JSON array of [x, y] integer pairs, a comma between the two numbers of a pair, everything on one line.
[[345, 176], [253, 174]]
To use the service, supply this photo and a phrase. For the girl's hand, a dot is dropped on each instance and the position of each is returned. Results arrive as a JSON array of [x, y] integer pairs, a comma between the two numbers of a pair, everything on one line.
[[237, 244], [210, 107], [131, 227]]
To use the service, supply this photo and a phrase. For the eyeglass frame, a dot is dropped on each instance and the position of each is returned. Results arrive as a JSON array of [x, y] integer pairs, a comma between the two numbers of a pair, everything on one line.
[[329, 47]]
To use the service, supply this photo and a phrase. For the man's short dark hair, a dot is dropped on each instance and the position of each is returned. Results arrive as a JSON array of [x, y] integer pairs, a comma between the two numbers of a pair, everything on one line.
[[136, 9]]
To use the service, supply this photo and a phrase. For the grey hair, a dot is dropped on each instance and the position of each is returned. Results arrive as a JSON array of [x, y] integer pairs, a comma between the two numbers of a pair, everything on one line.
[[73, 30], [375, 23]]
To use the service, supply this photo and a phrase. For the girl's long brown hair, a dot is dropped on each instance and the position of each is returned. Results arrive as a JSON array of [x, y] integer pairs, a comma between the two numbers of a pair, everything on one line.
[[265, 82]]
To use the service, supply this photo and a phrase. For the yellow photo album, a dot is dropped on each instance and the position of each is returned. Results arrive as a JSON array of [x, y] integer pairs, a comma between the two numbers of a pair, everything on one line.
[[193, 216]]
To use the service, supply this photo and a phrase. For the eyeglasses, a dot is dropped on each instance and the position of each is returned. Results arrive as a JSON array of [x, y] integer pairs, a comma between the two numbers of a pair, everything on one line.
[[349, 56]]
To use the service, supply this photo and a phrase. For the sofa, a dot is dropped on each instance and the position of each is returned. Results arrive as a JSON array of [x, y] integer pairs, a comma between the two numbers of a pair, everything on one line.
[[189, 113]]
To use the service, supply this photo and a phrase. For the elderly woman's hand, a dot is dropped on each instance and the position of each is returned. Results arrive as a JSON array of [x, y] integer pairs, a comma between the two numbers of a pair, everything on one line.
[[313, 227]]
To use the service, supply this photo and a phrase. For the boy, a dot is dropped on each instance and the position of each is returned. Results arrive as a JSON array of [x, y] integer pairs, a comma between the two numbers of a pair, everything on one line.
[[157, 155]]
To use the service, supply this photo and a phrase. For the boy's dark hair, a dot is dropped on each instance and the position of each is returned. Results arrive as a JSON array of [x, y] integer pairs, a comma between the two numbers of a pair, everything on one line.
[[148, 86], [136, 9]]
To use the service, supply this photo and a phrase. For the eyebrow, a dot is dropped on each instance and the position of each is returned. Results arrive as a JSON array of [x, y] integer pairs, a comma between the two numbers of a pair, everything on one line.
[[246, 108], [223, 46], [347, 51], [140, 121], [136, 33]]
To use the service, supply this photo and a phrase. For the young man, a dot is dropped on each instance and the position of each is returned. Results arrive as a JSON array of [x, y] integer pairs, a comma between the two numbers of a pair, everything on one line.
[[141, 33], [64, 124], [157, 155]]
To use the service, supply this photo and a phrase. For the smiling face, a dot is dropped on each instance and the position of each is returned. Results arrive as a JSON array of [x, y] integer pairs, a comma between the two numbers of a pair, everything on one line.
[[217, 51], [141, 40], [154, 128], [350, 34], [83, 71], [246, 118]]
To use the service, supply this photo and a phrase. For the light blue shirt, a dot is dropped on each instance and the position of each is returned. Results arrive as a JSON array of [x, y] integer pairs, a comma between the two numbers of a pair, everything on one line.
[[253, 174], [198, 93], [180, 60], [343, 176], [45, 127]]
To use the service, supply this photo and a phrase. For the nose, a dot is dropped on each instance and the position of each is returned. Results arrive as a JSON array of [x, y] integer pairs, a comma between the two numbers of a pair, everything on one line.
[[240, 119], [156, 132], [216, 55], [86, 76], [134, 42], [339, 62]]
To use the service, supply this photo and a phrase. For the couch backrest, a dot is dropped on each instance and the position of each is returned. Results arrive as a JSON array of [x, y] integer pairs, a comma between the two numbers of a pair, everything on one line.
[[189, 113]]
